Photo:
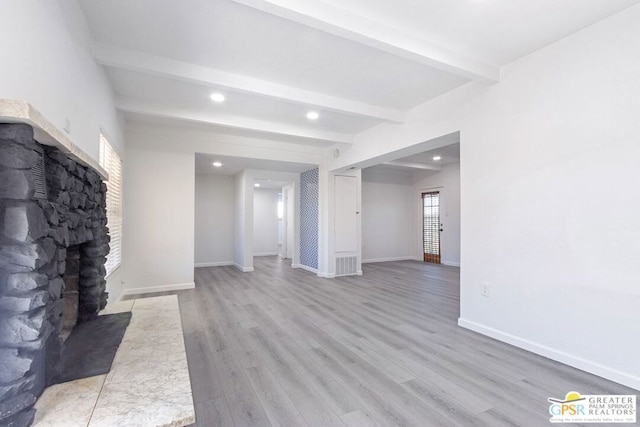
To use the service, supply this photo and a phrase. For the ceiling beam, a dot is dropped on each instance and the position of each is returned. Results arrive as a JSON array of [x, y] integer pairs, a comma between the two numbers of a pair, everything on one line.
[[411, 165], [346, 24], [132, 60], [137, 106]]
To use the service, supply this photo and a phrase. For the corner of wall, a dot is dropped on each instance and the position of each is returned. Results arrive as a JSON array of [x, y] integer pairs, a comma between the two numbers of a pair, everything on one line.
[[114, 285], [553, 354]]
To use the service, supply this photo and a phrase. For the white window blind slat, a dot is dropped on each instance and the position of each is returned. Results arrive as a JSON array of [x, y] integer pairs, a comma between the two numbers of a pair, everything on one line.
[[111, 162]]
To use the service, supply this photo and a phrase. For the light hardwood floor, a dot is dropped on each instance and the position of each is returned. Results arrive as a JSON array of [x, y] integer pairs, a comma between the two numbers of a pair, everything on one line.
[[282, 347]]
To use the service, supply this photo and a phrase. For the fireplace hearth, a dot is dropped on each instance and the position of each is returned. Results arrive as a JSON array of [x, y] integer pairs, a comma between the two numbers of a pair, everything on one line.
[[53, 246]]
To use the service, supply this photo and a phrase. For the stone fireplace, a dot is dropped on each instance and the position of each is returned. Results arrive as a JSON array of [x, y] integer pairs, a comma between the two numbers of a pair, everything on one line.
[[53, 246]]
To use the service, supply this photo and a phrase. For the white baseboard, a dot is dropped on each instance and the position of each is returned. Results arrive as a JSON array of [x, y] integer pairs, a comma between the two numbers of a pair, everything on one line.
[[357, 273], [406, 258], [154, 289], [326, 275], [559, 356], [451, 264], [213, 264], [243, 269], [266, 254], [310, 269], [397, 258], [305, 267]]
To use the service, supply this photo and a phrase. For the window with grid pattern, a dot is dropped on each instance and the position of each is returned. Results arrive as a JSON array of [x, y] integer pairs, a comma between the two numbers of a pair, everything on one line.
[[431, 226], [111, 162]]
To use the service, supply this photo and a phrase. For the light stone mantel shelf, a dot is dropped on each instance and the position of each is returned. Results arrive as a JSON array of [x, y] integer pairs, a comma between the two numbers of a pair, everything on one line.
[[16, 111]]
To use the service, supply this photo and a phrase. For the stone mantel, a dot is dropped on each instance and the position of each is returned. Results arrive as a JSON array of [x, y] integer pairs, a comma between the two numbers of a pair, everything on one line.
[[53, 234], [16, 111]]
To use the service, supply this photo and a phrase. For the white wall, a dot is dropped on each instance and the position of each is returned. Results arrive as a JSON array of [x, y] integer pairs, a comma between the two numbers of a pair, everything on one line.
[[265, 222], [447, 182], [387, 215], [172, 151], [159, 219], [549, 209], [391, 213], [282, 226], [289, 200], [214, 220], [46, 61], [243, 230]]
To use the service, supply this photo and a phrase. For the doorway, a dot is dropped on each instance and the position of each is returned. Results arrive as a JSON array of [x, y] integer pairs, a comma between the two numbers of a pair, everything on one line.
[[431, 226]]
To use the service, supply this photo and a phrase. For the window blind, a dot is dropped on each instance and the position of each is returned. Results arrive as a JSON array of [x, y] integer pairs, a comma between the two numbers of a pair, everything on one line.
[[111, 162]]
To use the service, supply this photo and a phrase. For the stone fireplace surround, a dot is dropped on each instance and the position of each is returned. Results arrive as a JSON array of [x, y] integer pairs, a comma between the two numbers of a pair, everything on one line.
[[37, 225]]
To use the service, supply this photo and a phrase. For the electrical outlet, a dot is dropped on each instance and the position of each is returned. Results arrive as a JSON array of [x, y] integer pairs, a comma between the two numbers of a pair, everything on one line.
[[485, 290]]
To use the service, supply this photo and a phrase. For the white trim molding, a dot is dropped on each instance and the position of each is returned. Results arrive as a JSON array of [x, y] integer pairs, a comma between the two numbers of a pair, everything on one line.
[[451, 264], [266, 254], [305, 267], [213, 264], [326, 275], [154, 289], [243, 269], [387, 259], [553, 354]]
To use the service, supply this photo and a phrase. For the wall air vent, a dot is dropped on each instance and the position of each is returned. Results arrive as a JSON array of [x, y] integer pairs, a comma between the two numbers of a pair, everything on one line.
[[346, 266], [39, 181]]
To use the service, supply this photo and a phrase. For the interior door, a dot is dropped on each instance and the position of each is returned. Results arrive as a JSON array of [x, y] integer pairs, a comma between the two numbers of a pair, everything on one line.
[[346, 214], [431, 226]]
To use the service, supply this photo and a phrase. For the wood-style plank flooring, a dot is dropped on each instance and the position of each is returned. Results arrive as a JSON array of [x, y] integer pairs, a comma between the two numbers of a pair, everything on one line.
[[282, 347]]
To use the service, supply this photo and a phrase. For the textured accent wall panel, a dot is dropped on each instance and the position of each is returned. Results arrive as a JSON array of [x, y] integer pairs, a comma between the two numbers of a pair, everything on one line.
[[309, 209]]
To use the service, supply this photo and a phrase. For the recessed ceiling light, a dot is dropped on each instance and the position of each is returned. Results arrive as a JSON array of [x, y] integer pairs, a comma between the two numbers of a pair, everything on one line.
[[217, 164], [257, 184], [436, 158], [312, 115], [217, 97]]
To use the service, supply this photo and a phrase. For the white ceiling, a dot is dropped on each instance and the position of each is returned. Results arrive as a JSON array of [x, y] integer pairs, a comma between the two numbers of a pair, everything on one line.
[[234, 165], [270, 184], [228, 36], [448, 154], [494, 31], [357, 62], [179, 94], [421, 162], [172, 122]]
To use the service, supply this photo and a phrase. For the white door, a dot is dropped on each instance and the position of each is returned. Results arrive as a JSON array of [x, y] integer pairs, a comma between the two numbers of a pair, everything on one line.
[[346, 214]]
